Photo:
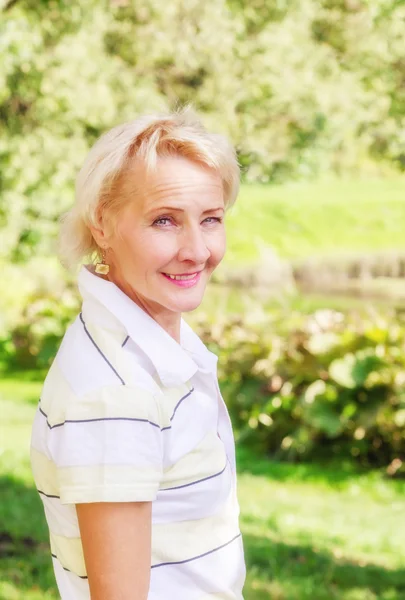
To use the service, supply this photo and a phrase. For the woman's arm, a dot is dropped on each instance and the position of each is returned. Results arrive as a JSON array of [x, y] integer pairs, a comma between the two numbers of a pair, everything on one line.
[[116, 538]]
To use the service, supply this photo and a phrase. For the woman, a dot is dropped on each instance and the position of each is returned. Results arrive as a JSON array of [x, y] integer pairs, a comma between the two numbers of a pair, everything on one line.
[[132, 448]]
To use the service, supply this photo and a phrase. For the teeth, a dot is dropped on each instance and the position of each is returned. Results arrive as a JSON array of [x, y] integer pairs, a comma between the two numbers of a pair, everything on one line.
[[182, 277]]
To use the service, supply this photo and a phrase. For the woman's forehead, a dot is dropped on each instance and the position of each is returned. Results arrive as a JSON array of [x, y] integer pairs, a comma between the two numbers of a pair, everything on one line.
[[176, 180]]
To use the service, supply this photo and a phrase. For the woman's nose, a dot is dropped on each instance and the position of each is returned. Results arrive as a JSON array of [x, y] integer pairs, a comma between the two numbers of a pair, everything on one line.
[[194, 248]]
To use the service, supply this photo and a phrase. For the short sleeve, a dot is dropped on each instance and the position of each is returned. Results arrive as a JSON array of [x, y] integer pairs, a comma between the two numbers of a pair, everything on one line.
[[109, 447]]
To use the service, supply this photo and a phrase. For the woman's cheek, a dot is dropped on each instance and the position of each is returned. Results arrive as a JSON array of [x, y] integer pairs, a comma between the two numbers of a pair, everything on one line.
[[217, 249]]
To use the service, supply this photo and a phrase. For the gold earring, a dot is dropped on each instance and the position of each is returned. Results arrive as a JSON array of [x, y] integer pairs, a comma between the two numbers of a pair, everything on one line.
[[101, 267]]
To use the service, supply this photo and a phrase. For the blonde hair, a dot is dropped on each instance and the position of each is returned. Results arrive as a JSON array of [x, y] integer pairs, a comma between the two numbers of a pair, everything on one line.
[[146, 138]]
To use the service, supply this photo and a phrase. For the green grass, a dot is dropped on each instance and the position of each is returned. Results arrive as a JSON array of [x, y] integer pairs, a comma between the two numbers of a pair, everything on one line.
[[321, 533], [311, 532], [300, 220]]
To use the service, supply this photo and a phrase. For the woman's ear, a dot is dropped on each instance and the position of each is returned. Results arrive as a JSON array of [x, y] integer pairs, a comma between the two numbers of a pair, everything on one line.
[[99, 236]]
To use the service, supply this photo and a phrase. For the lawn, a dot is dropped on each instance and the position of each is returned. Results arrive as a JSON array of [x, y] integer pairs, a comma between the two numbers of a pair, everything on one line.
[[311, 532], [328, 217]]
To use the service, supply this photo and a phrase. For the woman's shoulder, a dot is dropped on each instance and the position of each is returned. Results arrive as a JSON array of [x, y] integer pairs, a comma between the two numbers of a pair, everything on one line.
[[66, 399], [93, 362], [92, 356]]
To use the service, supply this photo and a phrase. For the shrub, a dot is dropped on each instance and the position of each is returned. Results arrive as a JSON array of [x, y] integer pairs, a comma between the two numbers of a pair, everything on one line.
[[325, 384], [37, 302]]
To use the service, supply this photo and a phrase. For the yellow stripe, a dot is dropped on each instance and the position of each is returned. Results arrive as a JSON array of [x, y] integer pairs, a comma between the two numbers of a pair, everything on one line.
[[45, 473], [116, 401], [107, 402], [69, 552], [56, 395], [171, 542], [183, 540], [206, 459], [108, 483], [172, 396], [109, 342]]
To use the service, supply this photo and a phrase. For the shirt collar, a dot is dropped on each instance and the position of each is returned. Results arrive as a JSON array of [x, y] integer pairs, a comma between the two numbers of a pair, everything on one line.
[[175, 363]]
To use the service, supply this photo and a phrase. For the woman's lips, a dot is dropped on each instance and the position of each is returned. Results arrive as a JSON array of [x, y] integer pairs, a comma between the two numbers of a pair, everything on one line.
[[191, 280]]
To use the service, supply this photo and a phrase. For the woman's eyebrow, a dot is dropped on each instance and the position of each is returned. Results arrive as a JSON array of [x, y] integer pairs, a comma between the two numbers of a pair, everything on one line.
[[214, 209], [178, 209], [163, 209]]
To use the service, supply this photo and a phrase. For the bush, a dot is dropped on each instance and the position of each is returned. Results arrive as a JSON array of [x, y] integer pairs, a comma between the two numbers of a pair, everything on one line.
[[34, 340], [325, 384], [37, 302]]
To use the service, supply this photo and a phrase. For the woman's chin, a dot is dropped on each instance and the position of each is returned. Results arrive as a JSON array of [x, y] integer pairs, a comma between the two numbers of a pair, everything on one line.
[[184, 302]]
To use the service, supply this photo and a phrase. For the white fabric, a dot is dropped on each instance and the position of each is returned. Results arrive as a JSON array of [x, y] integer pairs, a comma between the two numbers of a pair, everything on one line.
[[128, 414]]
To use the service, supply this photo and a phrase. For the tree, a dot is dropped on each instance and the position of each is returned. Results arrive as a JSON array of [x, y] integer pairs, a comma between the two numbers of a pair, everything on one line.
[[301, 87]]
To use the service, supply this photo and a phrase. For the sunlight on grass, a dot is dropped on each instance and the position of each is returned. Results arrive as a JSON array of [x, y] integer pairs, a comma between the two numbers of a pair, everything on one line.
[[308, 536], [303, 219]]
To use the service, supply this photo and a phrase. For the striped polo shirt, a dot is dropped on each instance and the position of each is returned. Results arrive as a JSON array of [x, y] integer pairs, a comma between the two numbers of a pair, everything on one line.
[[127, 414]]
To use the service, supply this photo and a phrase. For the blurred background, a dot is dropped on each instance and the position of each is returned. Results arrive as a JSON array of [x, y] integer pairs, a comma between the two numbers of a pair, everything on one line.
[[307, 310]]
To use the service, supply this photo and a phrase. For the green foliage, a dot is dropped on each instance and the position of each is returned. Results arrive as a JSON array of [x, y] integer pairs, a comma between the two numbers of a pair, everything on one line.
[[42, 325], [325, 384], [37, 303], [302, 88]]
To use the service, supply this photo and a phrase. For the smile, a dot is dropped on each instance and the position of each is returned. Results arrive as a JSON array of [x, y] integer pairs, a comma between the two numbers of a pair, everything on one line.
[[188, 280], [182, 277]]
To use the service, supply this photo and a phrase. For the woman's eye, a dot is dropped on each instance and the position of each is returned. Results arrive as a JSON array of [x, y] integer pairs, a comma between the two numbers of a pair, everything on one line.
[[213, 220], [166, 221], [162, 221]]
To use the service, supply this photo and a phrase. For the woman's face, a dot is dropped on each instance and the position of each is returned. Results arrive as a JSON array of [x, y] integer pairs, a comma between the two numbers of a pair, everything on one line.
[[170, 237]]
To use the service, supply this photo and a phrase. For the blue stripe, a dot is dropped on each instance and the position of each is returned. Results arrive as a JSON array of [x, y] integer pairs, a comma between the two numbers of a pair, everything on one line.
[[98, 350], [117, 418], [178, 487], [179, 402], [179, 562], [47, 495], [47, 422], [182, 562], [68, 570], [95, 420], [125, 341]]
